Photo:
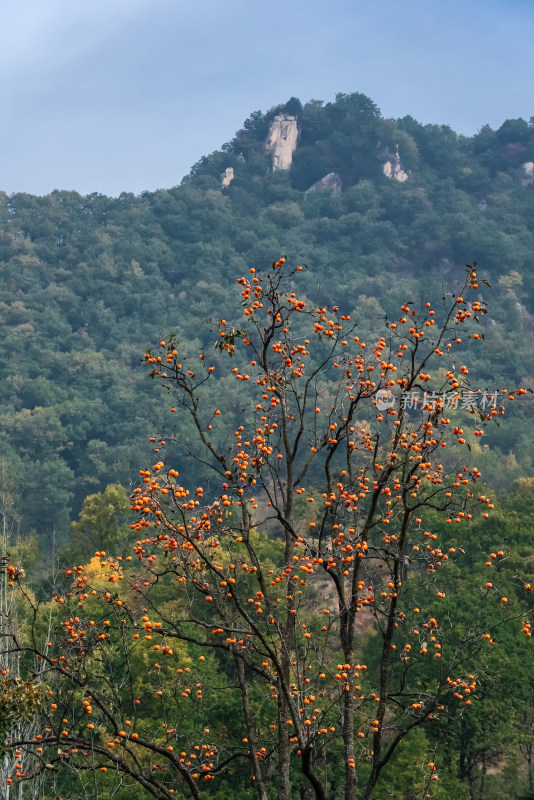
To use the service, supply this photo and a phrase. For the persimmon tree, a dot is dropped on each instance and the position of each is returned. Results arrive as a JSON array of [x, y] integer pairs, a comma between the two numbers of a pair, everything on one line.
[[283, 627]]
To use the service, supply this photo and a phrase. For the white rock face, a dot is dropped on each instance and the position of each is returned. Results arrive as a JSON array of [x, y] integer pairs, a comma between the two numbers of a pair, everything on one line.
[[527, 170], [332, 181], [282, 141], [394, 169], [227, 177]]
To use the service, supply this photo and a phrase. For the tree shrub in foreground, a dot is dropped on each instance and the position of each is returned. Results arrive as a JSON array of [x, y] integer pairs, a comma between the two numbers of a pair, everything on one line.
[[284, 627]]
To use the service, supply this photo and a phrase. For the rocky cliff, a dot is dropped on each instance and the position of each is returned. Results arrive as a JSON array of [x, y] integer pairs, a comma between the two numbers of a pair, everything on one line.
[[282, 141], [527, 173], [227, 177], [331, 182], [393, 169]]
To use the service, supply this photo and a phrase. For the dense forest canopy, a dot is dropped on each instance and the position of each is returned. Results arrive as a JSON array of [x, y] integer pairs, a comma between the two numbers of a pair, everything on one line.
[[90, 282]]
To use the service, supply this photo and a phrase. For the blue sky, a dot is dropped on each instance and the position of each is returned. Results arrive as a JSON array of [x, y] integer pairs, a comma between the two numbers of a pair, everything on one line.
[[125, 95]]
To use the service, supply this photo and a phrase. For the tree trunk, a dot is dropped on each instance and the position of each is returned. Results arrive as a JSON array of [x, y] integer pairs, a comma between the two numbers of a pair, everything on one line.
[[284, 752], [251, 731]]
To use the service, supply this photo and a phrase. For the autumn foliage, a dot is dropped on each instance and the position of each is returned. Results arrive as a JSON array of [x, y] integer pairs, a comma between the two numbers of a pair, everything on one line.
[[283, 627]]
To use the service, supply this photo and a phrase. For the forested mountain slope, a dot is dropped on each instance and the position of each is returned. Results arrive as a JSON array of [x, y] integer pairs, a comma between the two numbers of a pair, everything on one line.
[[90, 282]]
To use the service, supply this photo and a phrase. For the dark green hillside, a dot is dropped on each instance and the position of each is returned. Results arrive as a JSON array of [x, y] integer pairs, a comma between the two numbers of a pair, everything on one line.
[[90, 282]]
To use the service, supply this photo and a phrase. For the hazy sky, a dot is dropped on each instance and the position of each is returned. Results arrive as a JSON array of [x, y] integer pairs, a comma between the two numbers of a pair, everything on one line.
[[125, 95]]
